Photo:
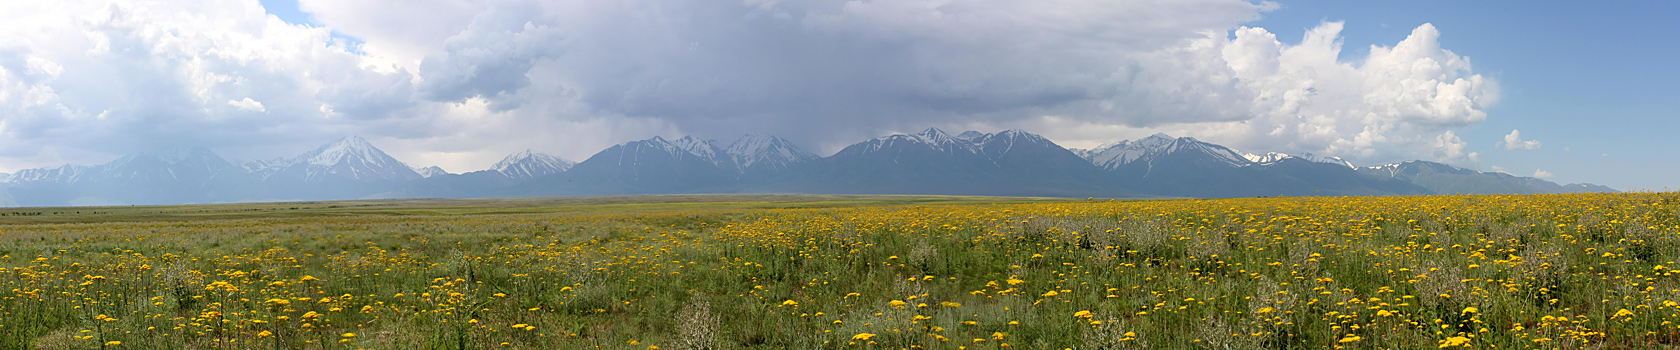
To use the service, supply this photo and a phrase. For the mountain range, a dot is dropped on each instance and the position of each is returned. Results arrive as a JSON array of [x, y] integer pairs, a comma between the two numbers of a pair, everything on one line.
[[1006, 163]]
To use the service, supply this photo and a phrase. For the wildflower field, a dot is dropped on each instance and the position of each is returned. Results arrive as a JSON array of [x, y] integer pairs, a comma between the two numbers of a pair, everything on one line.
[[1586, 271]]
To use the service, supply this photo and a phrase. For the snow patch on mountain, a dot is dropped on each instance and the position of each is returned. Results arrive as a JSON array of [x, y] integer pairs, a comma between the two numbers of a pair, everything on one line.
[[351, 157], [193, 164], [933, 138], [1151, 148], [659, 143], [528, 164], [989, 146], [973, 136], [348, 148], [766, 151], [1000, 144], [1393, 169], [704, 149], [264, 167], [1266, 158], [428, 172], [945, 142], [1271, 157], [63, 174]]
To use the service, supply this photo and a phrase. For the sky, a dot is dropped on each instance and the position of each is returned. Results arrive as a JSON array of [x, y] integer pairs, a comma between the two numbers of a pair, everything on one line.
[[1569, 92]]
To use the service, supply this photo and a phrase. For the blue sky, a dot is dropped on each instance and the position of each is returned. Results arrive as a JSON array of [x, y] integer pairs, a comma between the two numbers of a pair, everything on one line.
[[461, 83], [288, 11]]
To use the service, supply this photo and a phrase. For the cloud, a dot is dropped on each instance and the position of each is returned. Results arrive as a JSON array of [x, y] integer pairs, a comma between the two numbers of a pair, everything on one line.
[[397, 33], [819, 70], [464, 81], [1449, 148], [492, 57], [247, 105], [1387, 106], [1514, 141], [863, 68], [1497, 168], [96, 79], [1542, 173]]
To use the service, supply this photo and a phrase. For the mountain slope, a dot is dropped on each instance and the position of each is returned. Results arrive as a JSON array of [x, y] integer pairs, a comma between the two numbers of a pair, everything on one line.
[[1144, 153], [528, 164], [348, 168], [648, 166], [511, 170], [347, 159], [184, 175], [934, 162], [431, 171], [1187, 167], [761, 154], [1446, 179], [1272, 157]]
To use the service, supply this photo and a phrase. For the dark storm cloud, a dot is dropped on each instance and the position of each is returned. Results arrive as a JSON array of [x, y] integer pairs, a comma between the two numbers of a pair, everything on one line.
[[716, 67]]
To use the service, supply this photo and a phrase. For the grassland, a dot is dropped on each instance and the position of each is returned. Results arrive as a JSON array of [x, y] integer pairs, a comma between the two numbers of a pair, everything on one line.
[[841, 272]]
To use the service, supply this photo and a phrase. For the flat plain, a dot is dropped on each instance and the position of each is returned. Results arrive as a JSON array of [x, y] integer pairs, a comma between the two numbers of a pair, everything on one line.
[[840, 272]]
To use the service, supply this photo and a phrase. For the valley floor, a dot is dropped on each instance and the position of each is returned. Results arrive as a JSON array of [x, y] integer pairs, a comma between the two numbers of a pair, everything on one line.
[[841, 272]]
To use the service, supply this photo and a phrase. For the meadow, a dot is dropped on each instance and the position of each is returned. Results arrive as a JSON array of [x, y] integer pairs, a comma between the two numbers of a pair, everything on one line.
[[1579, 271]]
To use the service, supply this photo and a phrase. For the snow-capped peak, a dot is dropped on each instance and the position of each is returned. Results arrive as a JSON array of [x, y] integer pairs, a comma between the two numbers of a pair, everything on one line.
[[1393, 169], [63, 174], [263, 166], [351, 157], [1149, 148], [352, 147], [972, 136], [936, 136], [528, 164], [1158, 140], [944, 142], [752, 143], [932, 138], [1018, 133], [766, 150], [431, 171], [699, 148], [1000, 144], [1265, 158], [1271, 157]]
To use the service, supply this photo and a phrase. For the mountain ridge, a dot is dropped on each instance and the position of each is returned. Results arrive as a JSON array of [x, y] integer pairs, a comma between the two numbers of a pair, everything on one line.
[[1007, 163]]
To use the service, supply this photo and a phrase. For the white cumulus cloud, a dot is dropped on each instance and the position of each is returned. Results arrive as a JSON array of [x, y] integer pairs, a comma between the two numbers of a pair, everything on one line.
[[1542, 173], [1449, 148], [1514, 141], [1250, 90], [110, 77], [247, 105], [1303, 99]]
